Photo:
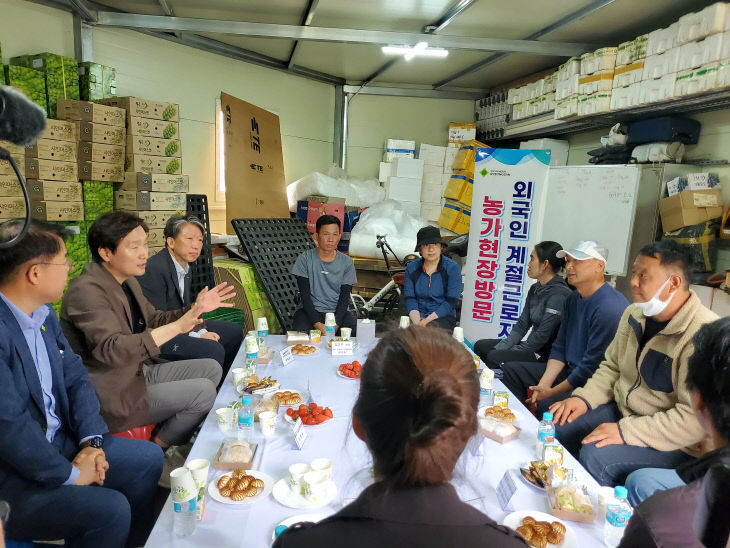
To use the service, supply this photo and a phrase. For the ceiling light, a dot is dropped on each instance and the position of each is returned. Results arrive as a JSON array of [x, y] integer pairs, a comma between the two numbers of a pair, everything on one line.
[[419, 50]]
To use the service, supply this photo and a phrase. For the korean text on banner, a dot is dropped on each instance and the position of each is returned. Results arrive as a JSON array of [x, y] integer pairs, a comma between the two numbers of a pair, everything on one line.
[[506, 219]]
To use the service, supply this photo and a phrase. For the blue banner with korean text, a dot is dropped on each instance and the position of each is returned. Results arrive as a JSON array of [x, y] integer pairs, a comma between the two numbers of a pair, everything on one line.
[[506, 218]]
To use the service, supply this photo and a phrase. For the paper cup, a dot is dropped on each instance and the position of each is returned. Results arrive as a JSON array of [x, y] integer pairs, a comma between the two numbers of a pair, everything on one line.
[[459, 333], [329, 319], [239, 373], [226, 417], [182, 485], [251, 342], [324, 466], [314, 486], [346, 333], [262, 324], [296, 476], [199, 470], [405, 322], [267, 421]]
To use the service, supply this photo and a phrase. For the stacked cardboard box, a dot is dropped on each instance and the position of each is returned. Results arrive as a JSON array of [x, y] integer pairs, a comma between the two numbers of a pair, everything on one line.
[[61, 76], [404, 184], [30, 82], [250, 295], [12, 204], [313, 207], [432, 186], [97, 81]]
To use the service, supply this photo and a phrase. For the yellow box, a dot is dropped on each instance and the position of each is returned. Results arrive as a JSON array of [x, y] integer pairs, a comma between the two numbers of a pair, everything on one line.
[[450, 214], [463, 222], [460, 189]]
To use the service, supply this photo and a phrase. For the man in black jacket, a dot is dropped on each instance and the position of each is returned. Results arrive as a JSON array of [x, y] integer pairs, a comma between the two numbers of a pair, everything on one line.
[[166, 284]]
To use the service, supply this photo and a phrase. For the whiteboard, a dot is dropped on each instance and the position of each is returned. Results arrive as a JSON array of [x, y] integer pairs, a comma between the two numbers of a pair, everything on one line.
[[593, 203]]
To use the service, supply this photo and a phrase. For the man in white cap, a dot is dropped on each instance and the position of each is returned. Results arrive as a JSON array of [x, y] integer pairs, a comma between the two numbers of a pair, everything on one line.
[[635, 412], [590, 317]]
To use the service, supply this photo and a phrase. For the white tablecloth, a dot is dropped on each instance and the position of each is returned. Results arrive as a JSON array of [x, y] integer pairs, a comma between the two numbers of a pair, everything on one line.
[[477, 474]]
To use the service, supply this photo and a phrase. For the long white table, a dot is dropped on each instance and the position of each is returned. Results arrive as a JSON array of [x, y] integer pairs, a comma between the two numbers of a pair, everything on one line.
[[476, 476]]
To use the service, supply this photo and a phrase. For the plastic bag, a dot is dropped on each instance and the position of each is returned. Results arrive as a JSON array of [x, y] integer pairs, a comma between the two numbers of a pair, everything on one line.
[[385, 218], [356, 192]]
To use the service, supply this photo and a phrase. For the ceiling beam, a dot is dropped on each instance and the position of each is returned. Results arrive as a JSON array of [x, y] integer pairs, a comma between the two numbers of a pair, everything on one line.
[[571, 17], [83, 10], [166, 9], [306, 21], [452, 13], [412, 92], [323, 34]]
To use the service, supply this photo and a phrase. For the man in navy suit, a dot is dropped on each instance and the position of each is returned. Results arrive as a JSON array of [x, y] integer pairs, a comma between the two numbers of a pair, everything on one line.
[[166, 284], [64, 476]]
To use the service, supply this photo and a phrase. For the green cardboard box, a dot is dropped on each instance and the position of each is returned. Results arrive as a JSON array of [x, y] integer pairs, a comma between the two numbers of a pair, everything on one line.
[[98, 198], [30, 82], [97, 81], [61, 76], [77, 249]]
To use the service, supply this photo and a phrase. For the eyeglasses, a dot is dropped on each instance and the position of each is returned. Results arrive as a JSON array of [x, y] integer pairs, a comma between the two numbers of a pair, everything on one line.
[[70, 263]]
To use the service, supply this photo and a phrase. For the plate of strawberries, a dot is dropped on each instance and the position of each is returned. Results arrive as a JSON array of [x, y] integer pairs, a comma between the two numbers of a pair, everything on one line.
[[311, 414], [350, 370]]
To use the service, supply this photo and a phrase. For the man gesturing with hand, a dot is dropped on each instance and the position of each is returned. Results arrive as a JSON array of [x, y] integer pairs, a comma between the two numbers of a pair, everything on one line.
[[635, 411]]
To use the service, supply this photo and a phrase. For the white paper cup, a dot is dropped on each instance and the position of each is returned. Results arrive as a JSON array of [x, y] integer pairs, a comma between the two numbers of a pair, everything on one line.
[[459, 333], [251, 342], [329, 319], [226, 417], [346, 333], [262, 324], [405, 322], [267, 421], [239, 373], [296, 476], [199, 470], [182, 485], [314, 486], [324, 466]]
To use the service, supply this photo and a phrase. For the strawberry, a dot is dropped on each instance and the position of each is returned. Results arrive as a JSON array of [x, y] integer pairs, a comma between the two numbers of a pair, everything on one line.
[[290, 412], [320, 419], [357, 364], [310, 421], [328, 412]]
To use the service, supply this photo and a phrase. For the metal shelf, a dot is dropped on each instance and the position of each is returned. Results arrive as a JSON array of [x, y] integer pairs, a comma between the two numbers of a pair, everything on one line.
[[546, 126]]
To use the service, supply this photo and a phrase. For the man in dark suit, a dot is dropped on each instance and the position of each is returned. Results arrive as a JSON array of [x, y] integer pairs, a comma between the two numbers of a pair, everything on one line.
[[54, 445], [166, 284]]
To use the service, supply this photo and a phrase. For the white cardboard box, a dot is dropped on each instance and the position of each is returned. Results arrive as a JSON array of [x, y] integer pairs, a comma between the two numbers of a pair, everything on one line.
[[414, 208], [626, 97], [701, 52], [431, 212], [384, 172], [662, 40], [449, 158], [407, 167], [660, 89], [432, 175], [695, 26], [403, 188], [431, 193], [431, 155], [657, 66], [559, 149]]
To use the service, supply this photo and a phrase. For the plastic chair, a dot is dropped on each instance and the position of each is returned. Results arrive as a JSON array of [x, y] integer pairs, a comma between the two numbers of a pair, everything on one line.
[[138, 432]]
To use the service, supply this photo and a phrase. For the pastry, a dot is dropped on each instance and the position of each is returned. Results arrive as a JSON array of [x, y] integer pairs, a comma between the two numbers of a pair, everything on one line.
[[258, 483], [538, 541], [541, 528], [238, 474], [528, 520], [238, 496], [558, 527], [251, 492], [243, 483], [223, 481], [525, 531], [554, 538], [226, 492]]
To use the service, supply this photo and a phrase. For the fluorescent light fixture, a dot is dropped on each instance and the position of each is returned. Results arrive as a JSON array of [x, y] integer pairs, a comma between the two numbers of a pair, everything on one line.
[[419, 50], [220, 163]]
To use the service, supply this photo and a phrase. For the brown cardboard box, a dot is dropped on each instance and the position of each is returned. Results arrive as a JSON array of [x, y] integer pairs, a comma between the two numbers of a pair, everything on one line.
[[153, 164], [97, 152], [154, 249], [254, 165], [12, 208], [156, 182], [85, 111], [153, 128], [57, 191], [135, 106], [50, 170], [57, 211], [689, 207], [101, 133], [96, 171], [61, 130], [10, 186], [156, 238], [155, 219], [149, 201], [12, 148], [153, 146], [51, 149], [7, 169]]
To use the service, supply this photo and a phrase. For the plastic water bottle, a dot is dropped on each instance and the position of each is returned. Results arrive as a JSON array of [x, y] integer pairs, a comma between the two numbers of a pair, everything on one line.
[[185, 518], [618, 513], [329, 324], [245, 420], [545, 432]]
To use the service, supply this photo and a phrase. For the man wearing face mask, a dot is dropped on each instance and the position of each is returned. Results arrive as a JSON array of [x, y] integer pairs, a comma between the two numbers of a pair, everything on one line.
[[635, 411]]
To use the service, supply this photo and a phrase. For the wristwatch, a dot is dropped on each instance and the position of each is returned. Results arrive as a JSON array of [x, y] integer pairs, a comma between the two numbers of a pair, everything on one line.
[[94, 442]]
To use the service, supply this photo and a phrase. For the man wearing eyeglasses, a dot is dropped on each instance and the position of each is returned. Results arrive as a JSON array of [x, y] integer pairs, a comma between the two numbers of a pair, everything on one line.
[[61, 472]]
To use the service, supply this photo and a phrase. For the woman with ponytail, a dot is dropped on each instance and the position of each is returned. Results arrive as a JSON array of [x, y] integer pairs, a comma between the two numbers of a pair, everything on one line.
[[416, 411], [541, 313]]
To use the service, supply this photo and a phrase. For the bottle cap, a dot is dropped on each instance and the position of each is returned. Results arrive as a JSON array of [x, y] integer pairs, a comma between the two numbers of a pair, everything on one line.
[[620, 492], [547, 416]]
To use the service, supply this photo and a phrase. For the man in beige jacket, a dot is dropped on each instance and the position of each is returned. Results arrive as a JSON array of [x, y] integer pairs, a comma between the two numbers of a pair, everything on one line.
[[635, 411]]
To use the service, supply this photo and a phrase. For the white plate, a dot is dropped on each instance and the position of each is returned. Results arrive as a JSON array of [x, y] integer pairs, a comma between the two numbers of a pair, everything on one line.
[[291, 421], [302, 394], [288, 522], [284, 495], [480, 414], [348, 378], [317, 350], [261, 392], [216, 495], [514, 520], [525, 480]]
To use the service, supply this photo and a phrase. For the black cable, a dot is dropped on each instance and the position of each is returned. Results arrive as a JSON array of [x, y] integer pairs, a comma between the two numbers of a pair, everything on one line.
[[5, 155]]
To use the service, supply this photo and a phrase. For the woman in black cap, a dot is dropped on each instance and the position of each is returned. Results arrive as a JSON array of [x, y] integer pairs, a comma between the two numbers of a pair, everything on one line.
[[432, 283]]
